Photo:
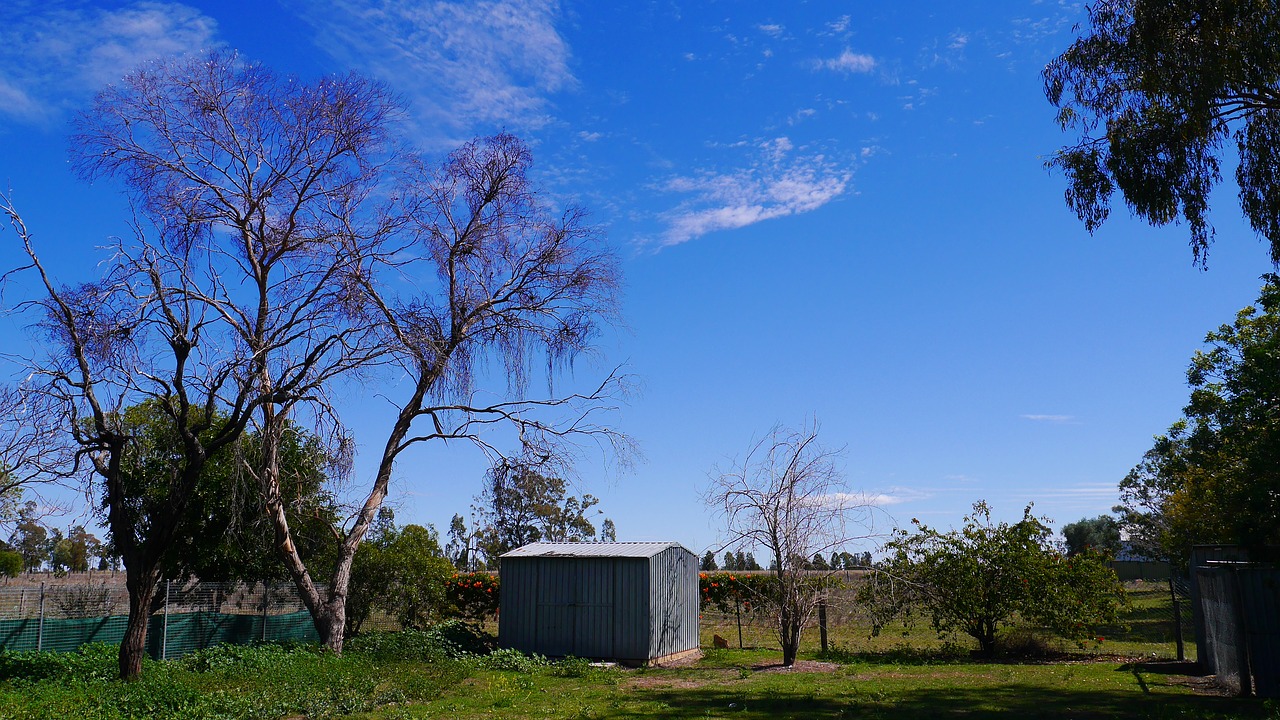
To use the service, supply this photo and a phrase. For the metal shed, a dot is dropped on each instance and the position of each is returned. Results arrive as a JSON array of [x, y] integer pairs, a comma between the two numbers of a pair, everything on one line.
[[631, 602]]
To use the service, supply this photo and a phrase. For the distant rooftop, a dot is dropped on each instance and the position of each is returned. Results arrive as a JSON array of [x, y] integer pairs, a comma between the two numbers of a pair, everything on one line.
[[589, 549]]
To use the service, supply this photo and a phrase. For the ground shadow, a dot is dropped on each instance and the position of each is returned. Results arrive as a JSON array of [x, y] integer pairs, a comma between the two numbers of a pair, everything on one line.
[[1013, 701]]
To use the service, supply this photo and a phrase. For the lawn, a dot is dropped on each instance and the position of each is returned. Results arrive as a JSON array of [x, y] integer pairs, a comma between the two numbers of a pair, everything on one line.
[[903, 672], [740, 684]]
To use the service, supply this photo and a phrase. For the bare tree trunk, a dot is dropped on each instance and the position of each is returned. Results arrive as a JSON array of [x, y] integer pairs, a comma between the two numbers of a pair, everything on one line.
[[141, 584]]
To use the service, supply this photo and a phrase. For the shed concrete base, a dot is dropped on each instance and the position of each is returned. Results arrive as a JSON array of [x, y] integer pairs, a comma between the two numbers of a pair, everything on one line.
[[680, 658]]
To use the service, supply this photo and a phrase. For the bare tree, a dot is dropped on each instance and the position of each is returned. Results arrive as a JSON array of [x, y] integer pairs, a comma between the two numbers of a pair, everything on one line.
[[236, 309], [296, 244], [515, 288], [788, 496]]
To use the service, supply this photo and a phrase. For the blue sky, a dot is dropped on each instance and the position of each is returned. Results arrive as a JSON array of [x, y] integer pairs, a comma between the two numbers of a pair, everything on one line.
[[824, 210]]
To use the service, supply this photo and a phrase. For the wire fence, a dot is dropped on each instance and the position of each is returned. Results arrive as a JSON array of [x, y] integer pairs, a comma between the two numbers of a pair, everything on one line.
[[184, 616], [1157, 619]]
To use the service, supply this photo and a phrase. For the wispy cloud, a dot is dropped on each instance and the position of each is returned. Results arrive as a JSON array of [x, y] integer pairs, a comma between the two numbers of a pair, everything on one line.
[[465, 67], [849, 62], [1057, 419], [891, 496], [776, 185], [59, 54]]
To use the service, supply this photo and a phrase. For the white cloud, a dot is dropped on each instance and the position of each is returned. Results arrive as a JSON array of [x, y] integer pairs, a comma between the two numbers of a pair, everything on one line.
[[849, 62], [891, 496], [589, 136], [465, 67], [1059, 419], [775, 186], [60, 54], [772, 29], [839, 25]]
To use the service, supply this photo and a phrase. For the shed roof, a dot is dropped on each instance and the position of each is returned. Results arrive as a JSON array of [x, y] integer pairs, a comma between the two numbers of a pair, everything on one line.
[[616, 549]]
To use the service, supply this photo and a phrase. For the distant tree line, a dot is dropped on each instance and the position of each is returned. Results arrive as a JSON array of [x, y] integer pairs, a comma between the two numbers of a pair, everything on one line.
[[745, 561]]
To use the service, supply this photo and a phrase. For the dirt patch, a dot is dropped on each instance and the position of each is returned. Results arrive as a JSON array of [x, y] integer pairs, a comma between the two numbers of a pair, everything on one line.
[[665, 682], [801, 666]]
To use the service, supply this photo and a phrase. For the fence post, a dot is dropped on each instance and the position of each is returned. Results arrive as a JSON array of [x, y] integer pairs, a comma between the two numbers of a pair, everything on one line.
[[1177, 620], [40, 626], [266, 593], [822, 621], [164, 635]]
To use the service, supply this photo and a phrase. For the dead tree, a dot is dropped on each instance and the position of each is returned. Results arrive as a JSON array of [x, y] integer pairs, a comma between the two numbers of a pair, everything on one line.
[[787, 496]]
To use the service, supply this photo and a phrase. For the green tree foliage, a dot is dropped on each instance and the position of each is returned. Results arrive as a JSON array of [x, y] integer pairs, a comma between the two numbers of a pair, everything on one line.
[[400, 571], [11, 563], [985, 576], [1153, 91], [709, 562], [30, 538], [75, 552], [458, 549], [1215, 476], [1101, 533], [520, 505]]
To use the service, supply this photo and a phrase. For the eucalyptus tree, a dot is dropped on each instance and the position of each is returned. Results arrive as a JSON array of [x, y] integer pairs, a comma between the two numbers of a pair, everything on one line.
[[1153, 92]]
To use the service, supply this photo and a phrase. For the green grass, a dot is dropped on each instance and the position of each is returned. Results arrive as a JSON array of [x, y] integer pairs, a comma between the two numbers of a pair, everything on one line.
[[731, 684], [905, 672]]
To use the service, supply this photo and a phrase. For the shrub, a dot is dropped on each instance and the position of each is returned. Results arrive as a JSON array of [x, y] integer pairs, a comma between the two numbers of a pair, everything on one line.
[[981, 578], [94, 661], [10, 563], [473, 596], [447, 640], [511, 660]]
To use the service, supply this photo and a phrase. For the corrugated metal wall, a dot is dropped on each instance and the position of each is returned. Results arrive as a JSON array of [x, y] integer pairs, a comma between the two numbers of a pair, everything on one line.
[[1260, 595], [1203, 556], [1224, 649], [674, 599], [602, 608], [1239, 605]]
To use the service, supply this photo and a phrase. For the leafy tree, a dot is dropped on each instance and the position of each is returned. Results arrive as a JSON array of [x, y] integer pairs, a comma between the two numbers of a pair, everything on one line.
[[608, 531], [1153, 91], [520, 505], [403, 572], [749, 562], [985, 576], [30, 539], [730, 561], [820, 563], [1214, 477], [11, 563], [458, 550], [708, 563], [1101, 533], [787, 496]]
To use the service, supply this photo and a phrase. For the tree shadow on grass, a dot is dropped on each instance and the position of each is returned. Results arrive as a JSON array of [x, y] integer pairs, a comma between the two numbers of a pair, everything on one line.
[[854, 700]]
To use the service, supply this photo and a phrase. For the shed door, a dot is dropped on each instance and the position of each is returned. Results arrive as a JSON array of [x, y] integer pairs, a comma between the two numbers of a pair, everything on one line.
[[575, 607]]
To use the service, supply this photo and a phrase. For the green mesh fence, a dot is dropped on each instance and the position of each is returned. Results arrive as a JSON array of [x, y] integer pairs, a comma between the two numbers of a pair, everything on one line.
[[188, 617]]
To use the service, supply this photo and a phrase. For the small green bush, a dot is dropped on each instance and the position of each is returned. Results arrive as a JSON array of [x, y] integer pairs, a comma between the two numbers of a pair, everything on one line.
[[95, 661], [511, 660], [450, 639]]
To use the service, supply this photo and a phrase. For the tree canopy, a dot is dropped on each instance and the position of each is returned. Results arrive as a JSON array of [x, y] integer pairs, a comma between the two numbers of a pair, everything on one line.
[[520, 505], [1101, 533], [981, 578], [1213, 477], [1154, 92]]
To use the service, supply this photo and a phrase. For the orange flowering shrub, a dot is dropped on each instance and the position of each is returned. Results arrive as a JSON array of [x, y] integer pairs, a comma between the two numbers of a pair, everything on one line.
[[473, 596]]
